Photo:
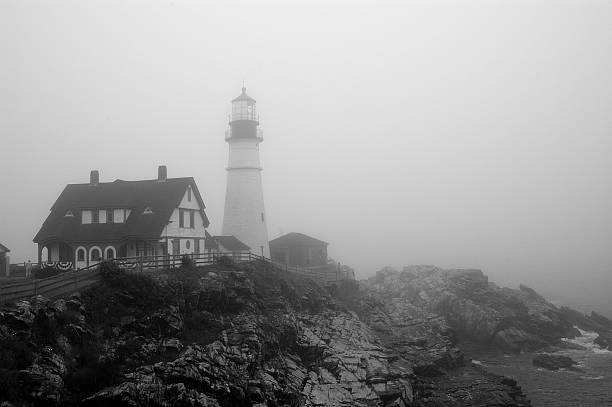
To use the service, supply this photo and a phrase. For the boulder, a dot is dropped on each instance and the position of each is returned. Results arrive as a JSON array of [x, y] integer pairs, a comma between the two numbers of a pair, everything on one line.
[[553, 362]]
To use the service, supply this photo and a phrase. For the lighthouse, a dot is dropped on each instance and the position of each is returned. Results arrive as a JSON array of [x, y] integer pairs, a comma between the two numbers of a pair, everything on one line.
[[244, 215]]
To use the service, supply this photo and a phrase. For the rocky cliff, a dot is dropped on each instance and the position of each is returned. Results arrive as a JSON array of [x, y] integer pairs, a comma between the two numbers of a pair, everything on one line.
[[479, 312], [242, 335]]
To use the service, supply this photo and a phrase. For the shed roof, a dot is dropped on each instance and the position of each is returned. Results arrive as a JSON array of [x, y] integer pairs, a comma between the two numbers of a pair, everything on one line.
[[4, 249], [161, 197], [296, 239], [230, 243]]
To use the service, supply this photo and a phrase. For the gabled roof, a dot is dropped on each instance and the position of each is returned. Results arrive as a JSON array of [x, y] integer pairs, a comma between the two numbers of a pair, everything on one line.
[[3, 248], [230, 243], [296, 239], [162, 197]]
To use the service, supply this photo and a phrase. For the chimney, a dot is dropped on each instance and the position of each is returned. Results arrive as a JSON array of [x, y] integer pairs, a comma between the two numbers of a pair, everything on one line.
[[94, 177], [162, 173]]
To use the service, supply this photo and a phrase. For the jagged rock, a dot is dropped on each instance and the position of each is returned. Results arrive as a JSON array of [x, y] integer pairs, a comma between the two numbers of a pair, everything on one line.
[[553, 362], [43, 380], [267, 337], [59, 305], [479, 311], [168, 321]]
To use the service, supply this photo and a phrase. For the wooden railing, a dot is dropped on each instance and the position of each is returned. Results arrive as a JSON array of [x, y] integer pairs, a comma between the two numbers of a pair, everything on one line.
[[71, 281], [55, 286]]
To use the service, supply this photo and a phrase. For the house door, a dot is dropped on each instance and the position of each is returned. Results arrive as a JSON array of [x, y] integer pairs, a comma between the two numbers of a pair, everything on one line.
[[176, 247]]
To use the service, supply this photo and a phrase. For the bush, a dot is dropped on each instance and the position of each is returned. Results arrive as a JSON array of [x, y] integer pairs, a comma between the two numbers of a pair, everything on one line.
[[111, 273], [10, 388], [225, 261], [91, 373], [15, 354], [45, 328], [141, 289], [187, 261]]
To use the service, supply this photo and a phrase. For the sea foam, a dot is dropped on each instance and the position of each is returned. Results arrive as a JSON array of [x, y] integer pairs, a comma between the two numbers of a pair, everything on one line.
[[586, 340]]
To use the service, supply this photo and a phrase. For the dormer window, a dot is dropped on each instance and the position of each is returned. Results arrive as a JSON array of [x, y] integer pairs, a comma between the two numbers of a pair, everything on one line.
[[69, 214], [147, 211]]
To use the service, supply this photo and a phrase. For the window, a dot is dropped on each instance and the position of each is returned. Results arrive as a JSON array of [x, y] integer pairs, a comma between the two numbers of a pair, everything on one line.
[[85, 217], [95, 254], [189, 194], [95, 217], [147, 211], [81, 255], [181, 218], [69, 214], [263, 219], [110, 216], [191, 219], [110, 253], [119, 215]]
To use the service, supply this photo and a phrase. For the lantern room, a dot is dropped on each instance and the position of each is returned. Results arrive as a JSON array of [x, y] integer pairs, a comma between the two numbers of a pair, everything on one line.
[[243, 108], [244, 121]]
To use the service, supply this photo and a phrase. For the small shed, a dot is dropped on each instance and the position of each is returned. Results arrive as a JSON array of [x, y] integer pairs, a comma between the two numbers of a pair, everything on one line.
[[4, 260], [299, 250]]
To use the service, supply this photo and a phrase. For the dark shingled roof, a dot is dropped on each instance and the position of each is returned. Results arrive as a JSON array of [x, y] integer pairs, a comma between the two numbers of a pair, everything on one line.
[[210, 242], [296, 239], [229, 243], [3, 248], [162, 197]]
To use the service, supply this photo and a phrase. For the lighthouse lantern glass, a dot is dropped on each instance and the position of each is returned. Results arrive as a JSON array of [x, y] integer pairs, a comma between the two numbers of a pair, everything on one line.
[[244, 110]]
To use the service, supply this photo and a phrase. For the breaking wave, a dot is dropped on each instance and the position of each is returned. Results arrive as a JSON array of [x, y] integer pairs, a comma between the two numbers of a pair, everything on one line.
[[586, 340]]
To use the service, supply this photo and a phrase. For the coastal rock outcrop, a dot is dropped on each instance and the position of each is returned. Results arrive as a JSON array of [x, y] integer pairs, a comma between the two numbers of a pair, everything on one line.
[[479, 311], [554, 362], [238, 335]]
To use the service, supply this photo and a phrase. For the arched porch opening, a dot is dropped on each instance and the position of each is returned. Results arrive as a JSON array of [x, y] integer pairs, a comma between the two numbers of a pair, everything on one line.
[[110, 253], [95, 255]]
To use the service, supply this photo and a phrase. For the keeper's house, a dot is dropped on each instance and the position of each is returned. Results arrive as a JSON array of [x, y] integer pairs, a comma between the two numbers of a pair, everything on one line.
[[105, 220]]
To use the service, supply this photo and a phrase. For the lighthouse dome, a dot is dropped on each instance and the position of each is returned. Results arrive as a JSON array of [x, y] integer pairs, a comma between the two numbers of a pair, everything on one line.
[[243, 96]]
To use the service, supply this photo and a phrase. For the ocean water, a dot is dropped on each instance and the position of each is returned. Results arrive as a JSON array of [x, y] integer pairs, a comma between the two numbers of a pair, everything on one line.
[[590, 388]]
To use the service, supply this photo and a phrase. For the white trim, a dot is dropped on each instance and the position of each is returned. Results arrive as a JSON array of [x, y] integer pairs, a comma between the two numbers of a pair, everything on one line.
[[44, 258]]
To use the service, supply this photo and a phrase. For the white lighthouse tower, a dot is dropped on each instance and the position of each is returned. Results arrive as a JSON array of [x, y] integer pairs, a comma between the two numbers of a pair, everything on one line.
[[244, 215]]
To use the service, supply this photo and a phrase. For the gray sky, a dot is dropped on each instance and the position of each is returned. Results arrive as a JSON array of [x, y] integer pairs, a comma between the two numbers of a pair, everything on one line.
[[461, 133]]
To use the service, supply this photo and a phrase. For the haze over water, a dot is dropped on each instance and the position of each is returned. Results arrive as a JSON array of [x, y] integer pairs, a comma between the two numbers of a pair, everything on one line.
[[471, 134]]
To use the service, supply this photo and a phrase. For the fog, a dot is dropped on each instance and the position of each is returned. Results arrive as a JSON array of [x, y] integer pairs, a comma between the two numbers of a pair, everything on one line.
[[462, 134]]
